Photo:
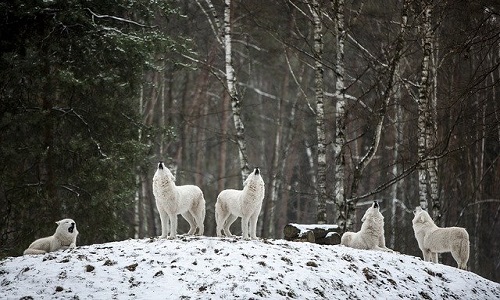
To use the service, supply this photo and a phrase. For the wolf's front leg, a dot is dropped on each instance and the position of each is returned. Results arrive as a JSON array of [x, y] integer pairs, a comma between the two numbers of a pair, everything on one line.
[[244, 227], [434, 257], [383, 249], [253, 225], [164, 224], [427, 255], [173, 226]]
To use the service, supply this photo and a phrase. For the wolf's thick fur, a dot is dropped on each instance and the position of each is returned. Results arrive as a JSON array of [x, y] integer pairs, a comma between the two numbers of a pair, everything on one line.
[[245, 203], [371, 235], [63, 238], [433, 239], [172, 200]]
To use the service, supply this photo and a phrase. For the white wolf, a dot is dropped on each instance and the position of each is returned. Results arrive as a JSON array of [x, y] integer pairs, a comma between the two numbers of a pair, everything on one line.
[[245, 203], [172, 200], [433, 239], [63, 238], [371, 235]]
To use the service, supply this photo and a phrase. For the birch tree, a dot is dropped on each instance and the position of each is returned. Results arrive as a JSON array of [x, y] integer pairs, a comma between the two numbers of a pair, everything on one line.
[[398, 136], [427, 170], [233, 93], [340, 116], [320, 114]]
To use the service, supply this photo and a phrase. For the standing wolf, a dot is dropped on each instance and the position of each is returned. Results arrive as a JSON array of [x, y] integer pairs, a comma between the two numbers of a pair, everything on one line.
[[63, 238], [172, 200], [433, 239], [245, 203], [371, 235]]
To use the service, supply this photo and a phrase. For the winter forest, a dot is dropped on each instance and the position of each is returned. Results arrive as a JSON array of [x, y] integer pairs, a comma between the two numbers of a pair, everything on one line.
[[338, 103]]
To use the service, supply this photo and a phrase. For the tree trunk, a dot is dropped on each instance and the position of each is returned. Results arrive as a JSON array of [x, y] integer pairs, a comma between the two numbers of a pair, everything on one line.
[[221, 184], [306, 205], [340, 120], [320, 115], [433, 132], [138, 198], [235, 101], [426, 127], [398, 139]]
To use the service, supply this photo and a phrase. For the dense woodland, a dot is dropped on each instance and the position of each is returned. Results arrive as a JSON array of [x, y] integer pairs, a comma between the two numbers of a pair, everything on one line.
[[338, 102]]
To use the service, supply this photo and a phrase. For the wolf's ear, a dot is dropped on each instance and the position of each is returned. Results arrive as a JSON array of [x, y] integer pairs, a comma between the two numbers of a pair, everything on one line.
[[58, 222], [363, 218], [417, 210], [172, 177]]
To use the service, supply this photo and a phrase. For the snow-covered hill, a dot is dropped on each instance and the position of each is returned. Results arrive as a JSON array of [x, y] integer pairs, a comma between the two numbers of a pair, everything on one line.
[[213, 268]]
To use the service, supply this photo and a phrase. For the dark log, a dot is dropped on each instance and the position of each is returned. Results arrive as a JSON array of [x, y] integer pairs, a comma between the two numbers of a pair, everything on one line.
[[313, 233]]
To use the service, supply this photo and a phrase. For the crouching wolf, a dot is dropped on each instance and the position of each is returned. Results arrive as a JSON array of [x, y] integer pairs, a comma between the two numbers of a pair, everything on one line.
[[63, 238], [433, 239], [172, 200], [245, 203], [371, 236]]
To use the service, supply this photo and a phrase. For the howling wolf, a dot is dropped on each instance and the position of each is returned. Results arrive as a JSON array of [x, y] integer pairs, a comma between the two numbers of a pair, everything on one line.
[[172, 200], [371, 235], [63, 238], [245, 203], [433, 239]]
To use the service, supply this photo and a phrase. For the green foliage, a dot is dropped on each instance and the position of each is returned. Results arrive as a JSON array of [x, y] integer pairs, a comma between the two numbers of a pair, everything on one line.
[[69, 116]]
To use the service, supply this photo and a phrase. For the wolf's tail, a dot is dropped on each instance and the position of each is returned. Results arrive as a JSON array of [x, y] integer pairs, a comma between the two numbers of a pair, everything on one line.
[[33, 251], [217, 217], [346, 239], [464, 251]]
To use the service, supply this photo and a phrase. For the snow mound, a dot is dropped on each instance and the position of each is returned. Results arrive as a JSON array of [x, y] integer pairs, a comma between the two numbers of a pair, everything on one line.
[[231, 268]]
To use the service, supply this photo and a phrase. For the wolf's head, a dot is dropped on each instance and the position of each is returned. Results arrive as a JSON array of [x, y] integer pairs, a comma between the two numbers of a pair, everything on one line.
[[421, 216], [254, 182], [254, 176], [66, 227], [163, 173], [373, 212]]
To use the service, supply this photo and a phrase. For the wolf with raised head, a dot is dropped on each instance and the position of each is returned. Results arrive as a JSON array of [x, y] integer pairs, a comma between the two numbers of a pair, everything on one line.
[[172, 200], [433, 239], [63, 238], [245, 203], [371, 236]]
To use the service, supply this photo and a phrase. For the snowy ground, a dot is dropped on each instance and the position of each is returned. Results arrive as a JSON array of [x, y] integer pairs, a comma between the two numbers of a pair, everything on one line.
[[230, 268]]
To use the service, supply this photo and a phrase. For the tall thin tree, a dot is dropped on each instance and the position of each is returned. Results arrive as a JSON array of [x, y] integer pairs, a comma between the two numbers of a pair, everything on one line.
[[340, 116], [233, 93], [427, 175], [320, 114]]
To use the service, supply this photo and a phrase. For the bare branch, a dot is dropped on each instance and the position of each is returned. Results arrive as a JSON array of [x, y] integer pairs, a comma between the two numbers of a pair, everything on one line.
[[94, 15], [216, 28]]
